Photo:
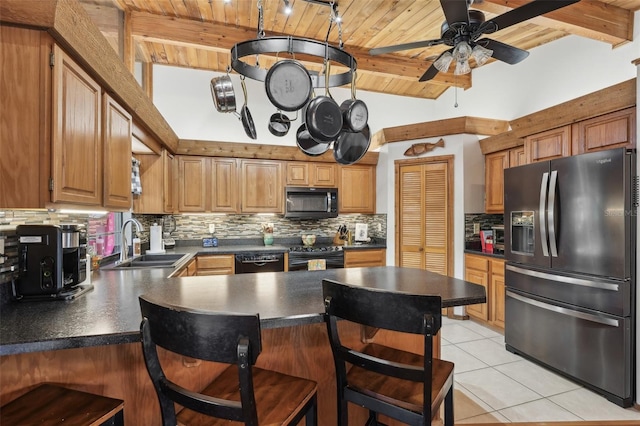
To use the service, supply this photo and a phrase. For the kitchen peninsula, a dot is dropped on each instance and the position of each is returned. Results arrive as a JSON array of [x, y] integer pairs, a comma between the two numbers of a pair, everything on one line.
[[92, 343]]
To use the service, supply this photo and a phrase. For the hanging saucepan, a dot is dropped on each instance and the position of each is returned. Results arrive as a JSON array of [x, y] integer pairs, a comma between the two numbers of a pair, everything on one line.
[[288, 85], [279, 123], [323, 117], [245, 115], [224, 97], [350, 147], [306, 143], [354, 111]]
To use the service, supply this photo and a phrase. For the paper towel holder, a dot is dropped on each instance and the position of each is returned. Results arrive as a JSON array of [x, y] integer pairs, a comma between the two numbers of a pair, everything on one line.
[[156, 244]]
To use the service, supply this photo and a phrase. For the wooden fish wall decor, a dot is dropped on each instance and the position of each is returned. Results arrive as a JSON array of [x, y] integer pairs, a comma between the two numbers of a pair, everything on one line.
[[420, 148]]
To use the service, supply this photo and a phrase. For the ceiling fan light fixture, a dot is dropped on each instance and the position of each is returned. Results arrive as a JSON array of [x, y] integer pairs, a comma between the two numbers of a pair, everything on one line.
[[443, 62], [462, 67], [462, 51], [481, 54]]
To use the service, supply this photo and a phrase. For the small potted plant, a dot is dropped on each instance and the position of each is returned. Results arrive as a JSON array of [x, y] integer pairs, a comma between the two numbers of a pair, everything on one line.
[[267, 233]]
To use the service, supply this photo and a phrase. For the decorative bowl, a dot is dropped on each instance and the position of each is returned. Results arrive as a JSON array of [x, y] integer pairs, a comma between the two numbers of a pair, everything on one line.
[[308, 240]]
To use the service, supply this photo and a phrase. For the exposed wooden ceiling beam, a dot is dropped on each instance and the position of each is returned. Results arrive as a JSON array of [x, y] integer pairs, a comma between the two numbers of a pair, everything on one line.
[[437, 128], [587, 18], [219, 37]]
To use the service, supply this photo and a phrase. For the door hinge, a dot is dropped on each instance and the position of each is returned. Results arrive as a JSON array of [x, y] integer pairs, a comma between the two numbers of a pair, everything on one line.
[[52, 58], [50, 184]]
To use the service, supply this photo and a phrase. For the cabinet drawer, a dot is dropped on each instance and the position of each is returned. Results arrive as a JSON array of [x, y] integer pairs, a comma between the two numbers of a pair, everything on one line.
[[215, 261], [497, 267], [362, 258], [476, 262]]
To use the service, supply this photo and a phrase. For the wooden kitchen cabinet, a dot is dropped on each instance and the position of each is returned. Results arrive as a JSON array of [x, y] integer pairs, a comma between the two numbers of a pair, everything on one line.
[[354, 258], [261, 186], [476, 270], [548, 145], [357, 189], [494, 165], [497, 296], [76, 134], [156, 176], [117, 127], [215, 264], [608, 131], [311, 174], [489, 273], [224, 194], [192, 184], [64, 141]]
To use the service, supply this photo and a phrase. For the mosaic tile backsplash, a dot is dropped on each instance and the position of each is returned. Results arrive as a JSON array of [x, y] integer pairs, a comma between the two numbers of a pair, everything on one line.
[[196, 227]]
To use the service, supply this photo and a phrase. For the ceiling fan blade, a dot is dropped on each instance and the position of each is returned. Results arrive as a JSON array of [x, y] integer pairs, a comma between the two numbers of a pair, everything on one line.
[[503, 52], [455, 11], [521, 14], [405, 46], [432, 70]]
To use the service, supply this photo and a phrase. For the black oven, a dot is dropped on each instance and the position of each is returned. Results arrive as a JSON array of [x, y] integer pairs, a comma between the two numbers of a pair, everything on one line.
[[299, 257], [311, 203]]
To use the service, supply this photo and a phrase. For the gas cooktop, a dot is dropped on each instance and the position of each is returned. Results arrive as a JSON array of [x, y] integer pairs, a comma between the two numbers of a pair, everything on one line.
[[315, 248]]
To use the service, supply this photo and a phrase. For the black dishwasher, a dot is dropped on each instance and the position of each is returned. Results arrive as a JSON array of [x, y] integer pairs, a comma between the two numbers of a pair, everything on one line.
[[249, 263]]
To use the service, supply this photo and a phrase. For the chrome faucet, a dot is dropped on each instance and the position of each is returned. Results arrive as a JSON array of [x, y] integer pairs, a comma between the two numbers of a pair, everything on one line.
[[124, 253]]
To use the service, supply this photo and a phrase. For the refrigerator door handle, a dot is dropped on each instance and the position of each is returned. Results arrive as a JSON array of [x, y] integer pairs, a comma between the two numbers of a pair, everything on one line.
[[550, 213], [565, 311], [563, 279], [543, 223]]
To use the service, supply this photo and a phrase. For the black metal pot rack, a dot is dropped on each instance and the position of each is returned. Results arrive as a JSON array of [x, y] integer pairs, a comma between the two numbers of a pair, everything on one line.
[[293, 45]]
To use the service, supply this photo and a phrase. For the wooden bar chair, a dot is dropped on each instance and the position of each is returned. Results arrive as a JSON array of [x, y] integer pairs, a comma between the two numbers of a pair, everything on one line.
[[242, 393], [50, 404], [404, 386]]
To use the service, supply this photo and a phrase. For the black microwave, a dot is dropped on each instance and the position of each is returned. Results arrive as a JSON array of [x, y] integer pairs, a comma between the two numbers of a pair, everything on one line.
[[310, 203]]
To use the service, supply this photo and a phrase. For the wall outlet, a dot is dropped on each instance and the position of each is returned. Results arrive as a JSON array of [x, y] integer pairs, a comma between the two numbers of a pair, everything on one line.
[[379, 227], [476, 228], [212, 228], [1, 251]]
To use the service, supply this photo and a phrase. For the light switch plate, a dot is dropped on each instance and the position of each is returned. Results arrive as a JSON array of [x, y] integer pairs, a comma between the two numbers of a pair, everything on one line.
[[212, 228]]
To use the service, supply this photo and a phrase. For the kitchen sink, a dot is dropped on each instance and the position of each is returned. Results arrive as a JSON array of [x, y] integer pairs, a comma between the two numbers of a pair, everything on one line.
[[146, 261]]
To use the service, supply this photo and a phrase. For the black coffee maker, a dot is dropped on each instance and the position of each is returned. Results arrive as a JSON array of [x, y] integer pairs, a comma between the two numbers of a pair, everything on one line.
[[51, 260]]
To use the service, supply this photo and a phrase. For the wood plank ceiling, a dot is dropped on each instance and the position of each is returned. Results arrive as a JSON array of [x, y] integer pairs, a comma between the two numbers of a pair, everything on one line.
[[200, 33]]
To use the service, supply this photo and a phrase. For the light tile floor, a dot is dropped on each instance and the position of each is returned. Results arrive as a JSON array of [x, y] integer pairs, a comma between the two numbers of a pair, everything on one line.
[[494, 385]]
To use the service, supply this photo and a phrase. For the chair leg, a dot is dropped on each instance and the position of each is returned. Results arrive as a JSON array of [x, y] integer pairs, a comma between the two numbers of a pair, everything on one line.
[[343, 415], [448, 408], [311, 418]]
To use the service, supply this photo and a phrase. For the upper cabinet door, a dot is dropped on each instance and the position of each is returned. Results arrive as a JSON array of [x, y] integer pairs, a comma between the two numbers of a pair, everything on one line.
[[225, 185], [357, 190], [614, 130], [548, 145], [494, 165], [192, 184], [262, 186], [76, 134], [117, 156]]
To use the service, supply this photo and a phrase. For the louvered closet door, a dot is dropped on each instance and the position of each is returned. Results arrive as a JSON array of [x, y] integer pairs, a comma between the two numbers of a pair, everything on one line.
[[435, 218], [411, 217], [424, 216]]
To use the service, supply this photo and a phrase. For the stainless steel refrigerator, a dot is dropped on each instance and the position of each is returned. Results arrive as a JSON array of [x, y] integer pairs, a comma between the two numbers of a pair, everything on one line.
[[570, 243]]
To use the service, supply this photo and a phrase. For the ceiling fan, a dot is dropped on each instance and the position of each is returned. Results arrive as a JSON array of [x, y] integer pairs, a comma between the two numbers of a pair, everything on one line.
[[462, 29]]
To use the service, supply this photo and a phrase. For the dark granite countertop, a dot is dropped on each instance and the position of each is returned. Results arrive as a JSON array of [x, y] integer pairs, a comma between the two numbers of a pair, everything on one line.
[[483, 253], [110, 314]]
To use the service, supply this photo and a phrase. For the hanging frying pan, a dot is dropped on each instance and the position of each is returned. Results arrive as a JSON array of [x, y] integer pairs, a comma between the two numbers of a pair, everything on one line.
[[288, 85], [323, 116], [245, 115], [224, 97], [350, 147], [306, 143], [354, 111]]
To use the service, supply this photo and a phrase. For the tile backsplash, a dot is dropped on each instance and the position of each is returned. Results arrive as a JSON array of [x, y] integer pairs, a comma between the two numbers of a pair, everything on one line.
[[481, 222], [194, 226]]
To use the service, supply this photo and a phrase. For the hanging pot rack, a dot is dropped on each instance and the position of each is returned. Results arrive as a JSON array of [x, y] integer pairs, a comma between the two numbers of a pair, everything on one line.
[[295, 45], [292, 45]]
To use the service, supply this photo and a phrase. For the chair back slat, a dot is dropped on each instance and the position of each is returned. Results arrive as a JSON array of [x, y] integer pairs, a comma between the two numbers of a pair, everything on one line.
[[202, 335], [382, 309]]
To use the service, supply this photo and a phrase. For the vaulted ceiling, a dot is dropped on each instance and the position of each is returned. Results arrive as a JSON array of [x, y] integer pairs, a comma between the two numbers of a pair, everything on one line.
[[200, 33]]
